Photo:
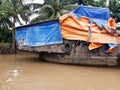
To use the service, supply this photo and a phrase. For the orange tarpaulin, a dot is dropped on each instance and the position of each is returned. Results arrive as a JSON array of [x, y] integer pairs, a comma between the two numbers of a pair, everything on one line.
[[75, 29], [111, 49], [94, 45]]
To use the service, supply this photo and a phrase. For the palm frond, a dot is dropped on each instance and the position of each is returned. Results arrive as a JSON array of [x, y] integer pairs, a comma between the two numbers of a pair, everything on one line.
[[46, 8], [41, 17], [70, 7], [63, 11], [55, 8]]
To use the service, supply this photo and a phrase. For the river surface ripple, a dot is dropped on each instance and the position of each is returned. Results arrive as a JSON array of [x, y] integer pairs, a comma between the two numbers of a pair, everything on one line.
[[26, 72]]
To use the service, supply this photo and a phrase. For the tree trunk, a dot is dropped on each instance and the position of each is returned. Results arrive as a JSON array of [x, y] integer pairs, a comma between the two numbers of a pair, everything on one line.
[[13, 39]]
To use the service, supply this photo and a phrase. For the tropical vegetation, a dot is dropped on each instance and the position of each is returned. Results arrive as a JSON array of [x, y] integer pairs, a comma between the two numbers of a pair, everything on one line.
[[15, 11], [52, 9], [10, 11]]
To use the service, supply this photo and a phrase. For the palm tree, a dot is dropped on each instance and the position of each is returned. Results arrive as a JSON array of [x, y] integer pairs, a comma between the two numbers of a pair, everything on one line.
[[52, 9], [10, 17], [10, 12], [98, 3]]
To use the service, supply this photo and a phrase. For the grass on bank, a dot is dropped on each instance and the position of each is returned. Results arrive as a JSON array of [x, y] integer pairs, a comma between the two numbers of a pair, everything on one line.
[[5, 45]]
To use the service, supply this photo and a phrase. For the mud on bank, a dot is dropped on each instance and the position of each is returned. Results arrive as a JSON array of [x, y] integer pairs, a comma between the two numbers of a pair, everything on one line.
[[7, 51]]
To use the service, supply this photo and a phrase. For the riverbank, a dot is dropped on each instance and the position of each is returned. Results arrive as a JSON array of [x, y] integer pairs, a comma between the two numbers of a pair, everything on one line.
[[7, 51]]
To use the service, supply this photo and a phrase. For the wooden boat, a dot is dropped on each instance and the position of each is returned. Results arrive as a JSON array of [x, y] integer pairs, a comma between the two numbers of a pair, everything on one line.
[[71, 40]]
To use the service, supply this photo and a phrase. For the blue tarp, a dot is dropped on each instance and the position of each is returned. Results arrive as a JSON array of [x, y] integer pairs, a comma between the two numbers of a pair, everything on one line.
[[92, 12], [96, 14], [41, 34], [113, 45], [110, 46]]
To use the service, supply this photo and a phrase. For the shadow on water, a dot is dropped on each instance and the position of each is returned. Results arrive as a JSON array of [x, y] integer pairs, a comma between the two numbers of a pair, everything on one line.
[[29, 59], [87, 65], [34, 58], [37, 60]]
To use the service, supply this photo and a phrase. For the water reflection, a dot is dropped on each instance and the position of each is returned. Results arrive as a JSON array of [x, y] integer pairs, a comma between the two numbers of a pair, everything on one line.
[[9, 71], [26, 72]]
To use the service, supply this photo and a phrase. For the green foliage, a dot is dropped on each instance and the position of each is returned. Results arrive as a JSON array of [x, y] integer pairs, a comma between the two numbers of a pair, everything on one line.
[[118, 28], [99, 3], [5, 45], [10, 11], [52, 9], [114, 6], [5, 35]]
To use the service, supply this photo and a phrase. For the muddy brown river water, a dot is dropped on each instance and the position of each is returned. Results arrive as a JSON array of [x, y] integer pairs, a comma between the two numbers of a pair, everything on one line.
[[26, 72]]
